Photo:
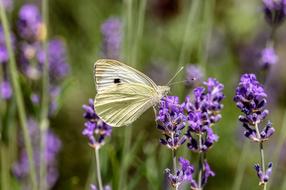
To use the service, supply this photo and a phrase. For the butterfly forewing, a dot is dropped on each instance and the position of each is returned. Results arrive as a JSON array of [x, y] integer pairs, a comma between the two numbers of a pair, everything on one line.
[[109, 72], [122, 104]]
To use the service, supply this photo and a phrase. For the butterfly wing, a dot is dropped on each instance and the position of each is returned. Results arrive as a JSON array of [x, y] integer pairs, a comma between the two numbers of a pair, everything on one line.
[[122, 104], [108, 72]]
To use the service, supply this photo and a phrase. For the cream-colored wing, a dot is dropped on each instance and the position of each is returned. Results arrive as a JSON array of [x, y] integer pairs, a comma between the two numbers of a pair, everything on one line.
[[108, 72], [122, 104]]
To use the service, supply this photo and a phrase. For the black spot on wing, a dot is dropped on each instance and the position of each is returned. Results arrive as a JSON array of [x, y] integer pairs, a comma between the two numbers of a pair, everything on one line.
[[116, 81]]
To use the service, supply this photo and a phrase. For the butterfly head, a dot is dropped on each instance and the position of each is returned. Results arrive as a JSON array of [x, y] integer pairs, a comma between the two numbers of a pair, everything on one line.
[[163, 90]]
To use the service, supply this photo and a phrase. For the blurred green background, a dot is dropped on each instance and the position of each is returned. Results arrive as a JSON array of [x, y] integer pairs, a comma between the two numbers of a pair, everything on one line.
[[218, 35]]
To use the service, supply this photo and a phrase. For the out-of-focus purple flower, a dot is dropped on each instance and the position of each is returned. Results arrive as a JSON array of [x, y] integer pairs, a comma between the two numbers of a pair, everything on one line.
[[54, 94], [57, 58], [35, 98], [93, 187], [268, 57], [52, 145], [7, 4], [4, 56], [171, 121], [250, 98], [95, 129], [182, 175], [203, 112], [193, 74], [30, 23], [274, 11], [263, 176], [111, 30], [5, 90]]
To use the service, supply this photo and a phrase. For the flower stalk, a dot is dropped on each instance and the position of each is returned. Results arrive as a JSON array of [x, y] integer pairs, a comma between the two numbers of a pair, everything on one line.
[[44, 122], [97, 162], [18, 95]]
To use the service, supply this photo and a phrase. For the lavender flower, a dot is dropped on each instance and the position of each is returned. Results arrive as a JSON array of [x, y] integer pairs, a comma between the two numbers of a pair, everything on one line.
[[202, 114], [93, 187], [57, 58], [112, 36], [4, 57], [171, 121], [53, 145], [193, 74], [182, 175], [250, 98], [274, 11], [7, 4], [268, 57], [95, 129], [30, 23], [263, 176], [5, 90]]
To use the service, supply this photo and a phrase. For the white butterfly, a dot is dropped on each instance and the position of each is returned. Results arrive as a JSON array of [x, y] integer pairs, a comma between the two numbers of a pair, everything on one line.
[[123, 93]]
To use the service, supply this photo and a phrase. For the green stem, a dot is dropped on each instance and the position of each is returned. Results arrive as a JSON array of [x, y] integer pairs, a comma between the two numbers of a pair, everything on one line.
[[193, 12], [97, 163], [206, 33], [141, 18], [18, 95], [200, 174], [241, 166], [5, 178], [124, 165], [278, 149], [262, 161], [44, 122], [174, 157]]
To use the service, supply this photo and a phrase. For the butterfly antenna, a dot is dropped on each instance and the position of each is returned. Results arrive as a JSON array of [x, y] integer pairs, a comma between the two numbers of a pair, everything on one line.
[[176, 74], [170, 84]]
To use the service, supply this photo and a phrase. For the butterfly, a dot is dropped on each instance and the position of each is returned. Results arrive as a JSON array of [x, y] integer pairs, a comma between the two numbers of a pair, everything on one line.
[[123, 93]]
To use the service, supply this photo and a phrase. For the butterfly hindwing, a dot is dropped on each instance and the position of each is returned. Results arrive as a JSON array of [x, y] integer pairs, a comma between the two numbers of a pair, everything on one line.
[[122, 104], [109, 72]]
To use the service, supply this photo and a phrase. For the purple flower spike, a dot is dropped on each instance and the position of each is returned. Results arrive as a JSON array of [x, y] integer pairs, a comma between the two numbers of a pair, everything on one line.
[[263, 177], [4, 56], [5, 90], [52, 148], [7, 4], [274, 11], [95, 129], [250, 98], [171, 121], [193, 74], [29, 23], [57, 58], [112, 36], [183, 175], [268, 57], [203, 112]]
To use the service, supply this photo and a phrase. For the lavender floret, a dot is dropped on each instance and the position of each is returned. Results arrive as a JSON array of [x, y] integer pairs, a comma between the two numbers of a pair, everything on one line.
[[274, 11], [95, 129], [5, 90], [268, 57], [171, 121], [182, 175]]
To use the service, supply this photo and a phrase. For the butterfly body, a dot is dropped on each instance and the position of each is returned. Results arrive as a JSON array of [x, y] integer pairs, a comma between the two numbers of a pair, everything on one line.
[[123, 93]]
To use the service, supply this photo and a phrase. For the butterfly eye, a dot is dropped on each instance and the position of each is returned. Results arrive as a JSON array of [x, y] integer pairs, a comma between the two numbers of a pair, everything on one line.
[[116, 81]]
